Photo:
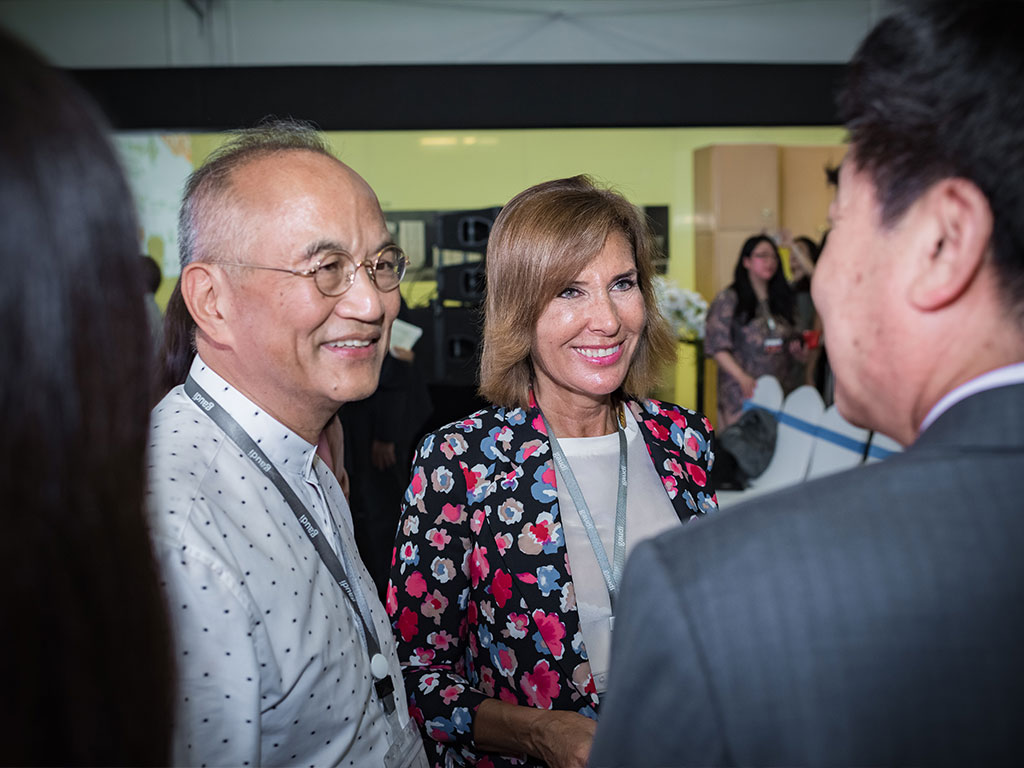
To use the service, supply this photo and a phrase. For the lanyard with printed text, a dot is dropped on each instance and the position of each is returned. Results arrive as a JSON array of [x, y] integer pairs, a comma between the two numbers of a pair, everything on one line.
[[383, 684], [612, 572]]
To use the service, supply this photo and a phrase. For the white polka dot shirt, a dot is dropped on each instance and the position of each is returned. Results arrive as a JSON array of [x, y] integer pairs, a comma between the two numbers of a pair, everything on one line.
[[272, 666]]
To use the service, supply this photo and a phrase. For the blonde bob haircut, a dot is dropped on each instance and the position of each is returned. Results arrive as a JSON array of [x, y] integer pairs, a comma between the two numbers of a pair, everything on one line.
[[542, 239]]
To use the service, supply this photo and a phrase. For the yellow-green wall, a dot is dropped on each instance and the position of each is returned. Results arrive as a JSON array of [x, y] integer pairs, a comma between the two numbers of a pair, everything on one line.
[[414, 170]]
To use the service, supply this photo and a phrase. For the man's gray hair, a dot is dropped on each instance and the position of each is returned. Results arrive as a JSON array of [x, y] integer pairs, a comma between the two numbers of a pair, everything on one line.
[[206, 190]]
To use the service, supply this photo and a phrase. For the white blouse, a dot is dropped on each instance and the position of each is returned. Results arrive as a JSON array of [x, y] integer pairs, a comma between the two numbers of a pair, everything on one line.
[[595, 463]]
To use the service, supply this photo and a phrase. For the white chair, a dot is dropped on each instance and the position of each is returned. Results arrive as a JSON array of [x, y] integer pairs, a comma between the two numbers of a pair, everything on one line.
[[798, 420], [881, 447], [838, 445], [767, 394]]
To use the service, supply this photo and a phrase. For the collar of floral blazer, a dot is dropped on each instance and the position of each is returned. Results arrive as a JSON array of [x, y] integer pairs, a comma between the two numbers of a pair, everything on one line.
[[678, 442], [525, 467], [663, 430]]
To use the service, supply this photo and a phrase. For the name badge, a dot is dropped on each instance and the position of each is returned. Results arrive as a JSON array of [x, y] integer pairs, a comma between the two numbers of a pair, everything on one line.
[[406, 750]]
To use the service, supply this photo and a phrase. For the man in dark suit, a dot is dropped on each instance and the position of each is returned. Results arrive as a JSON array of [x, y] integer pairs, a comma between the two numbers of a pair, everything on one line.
[[874, 617]]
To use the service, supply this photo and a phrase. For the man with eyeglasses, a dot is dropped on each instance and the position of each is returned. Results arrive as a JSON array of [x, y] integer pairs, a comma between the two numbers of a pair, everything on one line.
[[284, 652]]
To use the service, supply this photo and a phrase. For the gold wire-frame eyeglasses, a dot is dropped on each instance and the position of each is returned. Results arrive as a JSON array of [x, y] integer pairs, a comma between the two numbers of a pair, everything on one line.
[[335, 272]]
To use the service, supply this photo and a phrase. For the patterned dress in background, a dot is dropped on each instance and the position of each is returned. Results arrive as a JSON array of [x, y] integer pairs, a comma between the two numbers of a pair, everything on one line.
[[746, 342]]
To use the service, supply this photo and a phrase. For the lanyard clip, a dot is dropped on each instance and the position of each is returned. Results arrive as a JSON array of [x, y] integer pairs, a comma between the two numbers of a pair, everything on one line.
[[385, 692]]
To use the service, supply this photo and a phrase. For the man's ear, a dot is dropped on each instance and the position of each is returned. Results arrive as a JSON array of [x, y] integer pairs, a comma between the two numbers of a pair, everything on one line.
[[205, 289], [960, 233]]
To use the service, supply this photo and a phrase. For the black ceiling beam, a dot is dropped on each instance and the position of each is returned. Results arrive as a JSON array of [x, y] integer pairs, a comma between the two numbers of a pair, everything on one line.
[[469, 96]]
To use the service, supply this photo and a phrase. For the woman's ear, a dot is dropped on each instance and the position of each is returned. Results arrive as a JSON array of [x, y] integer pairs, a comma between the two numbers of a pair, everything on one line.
[[959, 235], [205, 290]]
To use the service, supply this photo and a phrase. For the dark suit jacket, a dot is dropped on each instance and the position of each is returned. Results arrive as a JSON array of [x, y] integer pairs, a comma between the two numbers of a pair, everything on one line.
[[870, 618], [481, 598]]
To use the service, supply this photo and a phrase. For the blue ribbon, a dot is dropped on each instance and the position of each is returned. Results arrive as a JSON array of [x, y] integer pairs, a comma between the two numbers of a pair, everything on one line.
[[823, 433]]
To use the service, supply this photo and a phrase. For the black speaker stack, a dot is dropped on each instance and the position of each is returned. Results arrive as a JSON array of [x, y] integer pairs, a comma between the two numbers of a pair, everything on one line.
[[448, 353]]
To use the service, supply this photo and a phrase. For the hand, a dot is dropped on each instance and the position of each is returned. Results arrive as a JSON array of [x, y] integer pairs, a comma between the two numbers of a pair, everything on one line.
[[798, 351], [403, 354], [559, 738], [748, 384], [563, 740], [382, 455]]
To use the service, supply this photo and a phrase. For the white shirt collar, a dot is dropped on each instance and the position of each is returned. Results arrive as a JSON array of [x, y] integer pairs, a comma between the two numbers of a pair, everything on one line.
[[1000, 377], [288, 451]]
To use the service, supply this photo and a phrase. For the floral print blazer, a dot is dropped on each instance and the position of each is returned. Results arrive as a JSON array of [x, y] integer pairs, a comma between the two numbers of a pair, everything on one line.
[[481, 597]]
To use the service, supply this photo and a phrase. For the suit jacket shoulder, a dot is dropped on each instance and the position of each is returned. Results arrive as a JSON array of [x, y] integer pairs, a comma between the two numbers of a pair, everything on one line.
[[871, 617]]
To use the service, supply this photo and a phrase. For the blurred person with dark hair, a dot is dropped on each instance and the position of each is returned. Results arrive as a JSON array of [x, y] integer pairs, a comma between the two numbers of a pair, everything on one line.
[[86, 662], [151, 279], [751, 329], [283, 311], [178, 346], [873, 617], [380, 434], [803, 255], [518, 518]]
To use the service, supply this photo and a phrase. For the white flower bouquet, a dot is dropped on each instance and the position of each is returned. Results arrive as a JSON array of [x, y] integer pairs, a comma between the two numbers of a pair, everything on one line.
[[686, 311]]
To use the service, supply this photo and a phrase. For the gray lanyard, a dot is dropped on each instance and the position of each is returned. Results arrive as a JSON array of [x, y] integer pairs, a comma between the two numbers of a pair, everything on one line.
[[612, 573], [383, 684]]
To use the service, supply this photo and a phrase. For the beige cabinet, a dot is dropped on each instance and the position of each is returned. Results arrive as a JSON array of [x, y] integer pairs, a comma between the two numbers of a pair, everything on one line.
[[735, 195], [737, 186], [804, 193], [746, 189]]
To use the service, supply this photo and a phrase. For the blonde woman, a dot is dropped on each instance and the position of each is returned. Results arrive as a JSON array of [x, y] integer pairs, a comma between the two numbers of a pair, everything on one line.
[[518, 517]]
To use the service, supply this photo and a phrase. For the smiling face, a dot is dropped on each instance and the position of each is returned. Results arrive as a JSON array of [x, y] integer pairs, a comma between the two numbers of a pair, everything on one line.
[[586, 336], [298, 352]]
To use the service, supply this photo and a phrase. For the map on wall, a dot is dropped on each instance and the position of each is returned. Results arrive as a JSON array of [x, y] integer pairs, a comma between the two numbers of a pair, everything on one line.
[[157, 166]]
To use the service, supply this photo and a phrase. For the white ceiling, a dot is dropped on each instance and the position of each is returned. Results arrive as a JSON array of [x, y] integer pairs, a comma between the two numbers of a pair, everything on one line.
[[169, 33]]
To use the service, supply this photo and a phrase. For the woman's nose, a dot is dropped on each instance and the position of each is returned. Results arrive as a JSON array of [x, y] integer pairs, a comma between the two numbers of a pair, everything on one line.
[[603, 315]]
